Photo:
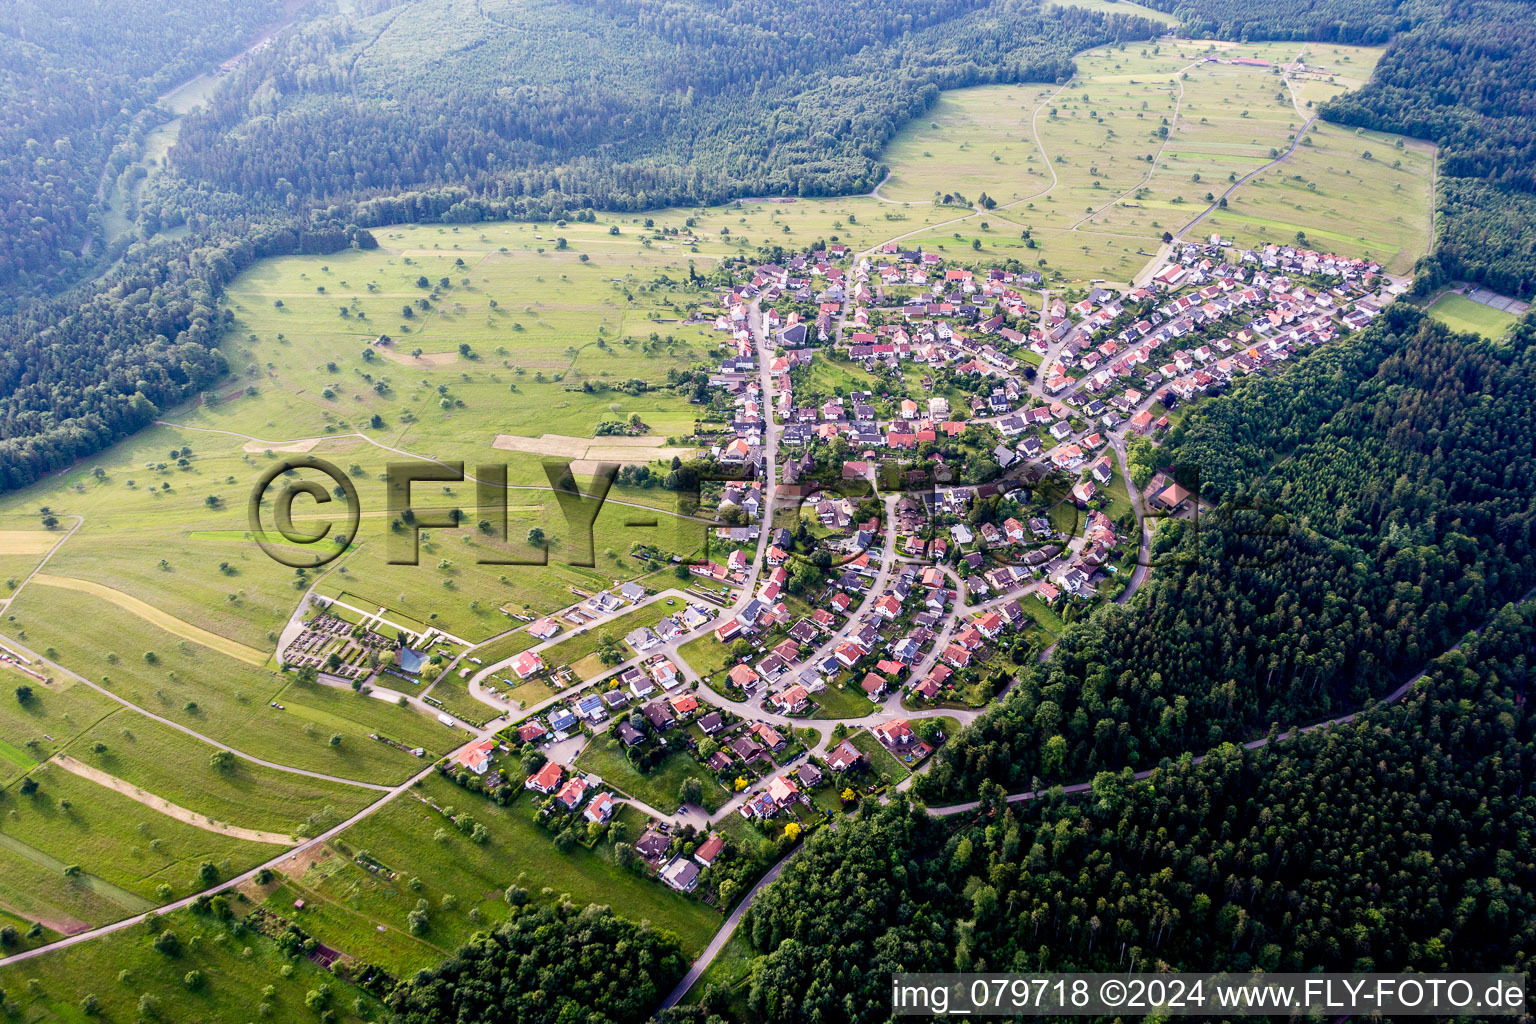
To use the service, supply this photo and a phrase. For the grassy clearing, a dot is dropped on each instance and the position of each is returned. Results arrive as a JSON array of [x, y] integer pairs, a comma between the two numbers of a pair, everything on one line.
[[1354, 193], [401, 836], [603, 757], [211, 694], [121, 968], [57, 712], [1087, 172], [392, 948], [1044, 615], [129, 845], [1461, 313], [1124, 7], [732, 968], [173, 765], [847, 701], [151, 614]]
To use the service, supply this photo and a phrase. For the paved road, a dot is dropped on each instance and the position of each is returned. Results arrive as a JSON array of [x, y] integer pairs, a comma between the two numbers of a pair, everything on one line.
[[703, 960]]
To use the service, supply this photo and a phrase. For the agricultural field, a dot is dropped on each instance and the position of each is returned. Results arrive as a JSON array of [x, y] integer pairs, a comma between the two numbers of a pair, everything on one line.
[[971, 141]]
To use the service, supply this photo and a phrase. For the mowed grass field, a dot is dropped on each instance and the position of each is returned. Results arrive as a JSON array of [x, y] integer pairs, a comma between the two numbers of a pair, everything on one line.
[[1462, 314]]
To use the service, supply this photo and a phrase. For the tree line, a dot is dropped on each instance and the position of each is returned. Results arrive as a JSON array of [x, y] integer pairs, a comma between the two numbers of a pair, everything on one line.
[[692, 105]]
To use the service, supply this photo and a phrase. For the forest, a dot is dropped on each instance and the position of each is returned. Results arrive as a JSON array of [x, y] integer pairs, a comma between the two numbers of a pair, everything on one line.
[[1359, 22], [1486, 234], [696, 103], [1372, 504], [1392, 843], [76, 78], [82, 372], [547, 963]]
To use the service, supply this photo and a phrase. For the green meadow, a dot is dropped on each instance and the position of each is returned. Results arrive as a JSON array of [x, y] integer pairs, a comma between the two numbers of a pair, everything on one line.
[[432, 859], [1357, 193], [1087, 176], [658, 788], [179, 768], [237, 973], [54, 715], [78, 823]]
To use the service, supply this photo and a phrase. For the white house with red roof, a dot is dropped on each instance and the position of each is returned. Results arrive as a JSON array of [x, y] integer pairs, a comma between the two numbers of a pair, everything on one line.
[[527, 665], [547, 779], [476, 757], [601, 808], [573, 792]]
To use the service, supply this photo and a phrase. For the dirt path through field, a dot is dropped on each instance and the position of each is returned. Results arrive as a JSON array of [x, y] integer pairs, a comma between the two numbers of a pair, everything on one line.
[[167, 808], [149, 613]]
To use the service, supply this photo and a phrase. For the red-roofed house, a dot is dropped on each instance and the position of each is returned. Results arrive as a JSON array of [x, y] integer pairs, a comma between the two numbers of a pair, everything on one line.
[[527, 664], [476, 757], [572, 793], [546, 779], [896, 733], [601, 808]]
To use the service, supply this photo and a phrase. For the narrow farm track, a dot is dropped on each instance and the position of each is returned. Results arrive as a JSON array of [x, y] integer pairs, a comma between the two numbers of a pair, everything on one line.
[[468, 477], [167, 808], [322, 838], [125, 702]]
